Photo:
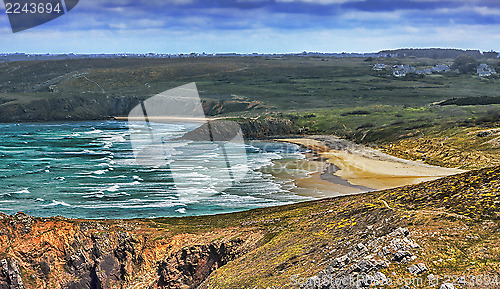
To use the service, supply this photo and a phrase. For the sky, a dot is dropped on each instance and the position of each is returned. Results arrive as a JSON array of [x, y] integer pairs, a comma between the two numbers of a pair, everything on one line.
[[262, 26]]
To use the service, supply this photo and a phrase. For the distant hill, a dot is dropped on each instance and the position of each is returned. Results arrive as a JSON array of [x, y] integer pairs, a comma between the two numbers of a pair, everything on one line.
[[86, 89], [438, 53]]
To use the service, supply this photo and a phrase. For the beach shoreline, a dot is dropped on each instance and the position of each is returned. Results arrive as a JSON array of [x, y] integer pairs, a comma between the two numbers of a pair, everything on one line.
[[352, 169]]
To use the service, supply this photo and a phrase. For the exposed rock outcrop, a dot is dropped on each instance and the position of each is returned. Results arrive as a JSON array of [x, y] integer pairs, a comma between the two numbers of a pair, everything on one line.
[[189, 267], [10, 275], [361, 267], [85, 107], [78, 254], [214, 107], [96, 106], [267, 127], [225, 130]]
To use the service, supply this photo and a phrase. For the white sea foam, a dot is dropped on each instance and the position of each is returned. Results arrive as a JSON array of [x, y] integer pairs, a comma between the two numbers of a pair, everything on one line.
[[104, 159], [181, 210], [24, 191], [57, 203], [100, 172], [121, 194], [98, 195], [113, 188], [118, 138], [202, 178], [144, 204], [93, 131]]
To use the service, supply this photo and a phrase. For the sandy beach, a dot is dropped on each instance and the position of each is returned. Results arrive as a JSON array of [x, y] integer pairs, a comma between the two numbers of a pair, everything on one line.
[[313, 177], [351, 168]]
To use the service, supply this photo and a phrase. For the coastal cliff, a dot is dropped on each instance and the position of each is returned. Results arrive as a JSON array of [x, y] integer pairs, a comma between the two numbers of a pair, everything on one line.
[[226, 129], [63, 253], [95, 106], [62, 108], [421, 233]]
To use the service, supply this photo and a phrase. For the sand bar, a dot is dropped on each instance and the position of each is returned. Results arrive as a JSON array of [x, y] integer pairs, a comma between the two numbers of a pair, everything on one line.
[[165, 119]]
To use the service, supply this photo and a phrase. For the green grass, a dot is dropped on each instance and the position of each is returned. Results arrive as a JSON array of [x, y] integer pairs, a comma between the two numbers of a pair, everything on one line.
[[288, 84], [380, 124]]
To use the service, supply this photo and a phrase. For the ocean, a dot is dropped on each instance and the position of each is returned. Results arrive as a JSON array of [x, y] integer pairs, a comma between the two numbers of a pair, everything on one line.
[[89, 170]]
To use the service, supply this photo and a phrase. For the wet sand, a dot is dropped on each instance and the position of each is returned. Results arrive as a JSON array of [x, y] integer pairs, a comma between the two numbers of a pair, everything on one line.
[[351, 168], [312, 177]]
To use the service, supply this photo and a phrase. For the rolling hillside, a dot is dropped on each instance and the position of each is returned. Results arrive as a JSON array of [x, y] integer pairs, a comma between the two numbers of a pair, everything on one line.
[[237, 86], [438, 231]]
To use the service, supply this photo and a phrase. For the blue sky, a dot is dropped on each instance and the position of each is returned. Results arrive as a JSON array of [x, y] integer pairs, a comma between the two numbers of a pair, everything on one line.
[[266, 26]]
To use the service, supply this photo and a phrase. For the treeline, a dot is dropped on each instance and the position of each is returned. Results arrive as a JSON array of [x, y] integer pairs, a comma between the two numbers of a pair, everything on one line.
[[438, 53], [474, 100]]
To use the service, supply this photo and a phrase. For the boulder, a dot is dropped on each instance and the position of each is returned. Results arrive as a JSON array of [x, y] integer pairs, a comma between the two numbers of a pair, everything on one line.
[[401, 232], [400, 255]]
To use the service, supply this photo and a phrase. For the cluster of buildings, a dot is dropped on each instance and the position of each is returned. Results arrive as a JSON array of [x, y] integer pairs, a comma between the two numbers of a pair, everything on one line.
[[483, 70], [401, 70]]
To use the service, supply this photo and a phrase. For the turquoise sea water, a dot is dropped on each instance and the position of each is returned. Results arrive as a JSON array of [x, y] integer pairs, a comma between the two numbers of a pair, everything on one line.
[[88, 170]]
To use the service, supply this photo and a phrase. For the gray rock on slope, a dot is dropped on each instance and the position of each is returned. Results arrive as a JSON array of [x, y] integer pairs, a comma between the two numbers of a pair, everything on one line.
[[362, 265], [447, 286], [417, 269], [10, 275]]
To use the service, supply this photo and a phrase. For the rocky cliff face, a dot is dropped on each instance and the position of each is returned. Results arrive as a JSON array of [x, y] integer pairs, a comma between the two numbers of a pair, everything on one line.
[[10, 276], [62, 253], [189, 267], [267, 127], [225, 130], [95, 106], [66, 108], [215, 107]]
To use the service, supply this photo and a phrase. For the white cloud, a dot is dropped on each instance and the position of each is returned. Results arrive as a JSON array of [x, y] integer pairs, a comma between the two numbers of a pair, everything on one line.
[[487, 11], [148, 23], [481, 10], [252, 40], [118, 26], [452, 1], [93, 5], [229, 29], [137, 24], [371, 16], [321, 2]]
